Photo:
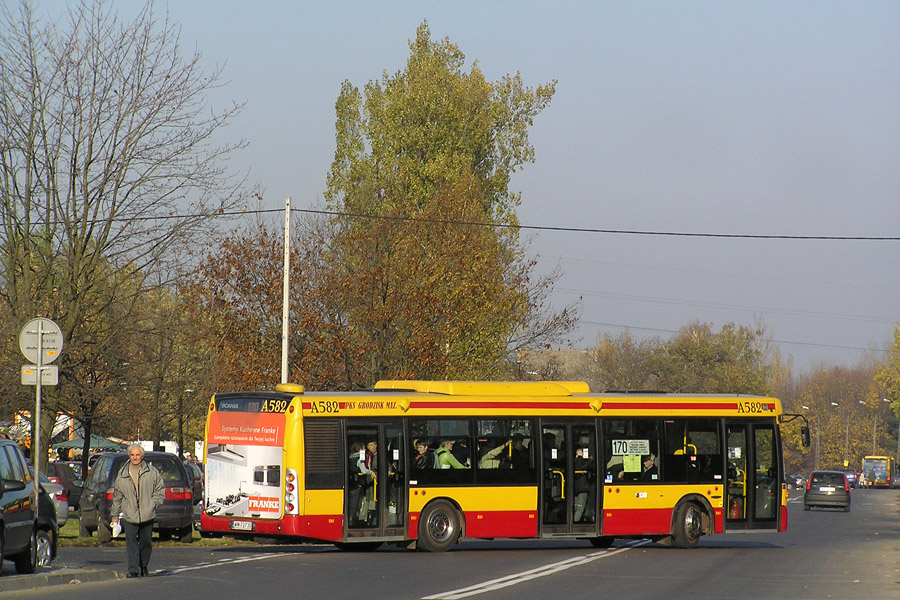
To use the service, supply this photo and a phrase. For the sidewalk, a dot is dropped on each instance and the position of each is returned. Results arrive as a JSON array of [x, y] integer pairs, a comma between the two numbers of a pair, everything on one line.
[[54, 576]]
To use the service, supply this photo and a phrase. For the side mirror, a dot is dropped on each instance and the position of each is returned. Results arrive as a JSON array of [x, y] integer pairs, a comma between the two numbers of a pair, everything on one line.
[[804, 434], [11, 485]]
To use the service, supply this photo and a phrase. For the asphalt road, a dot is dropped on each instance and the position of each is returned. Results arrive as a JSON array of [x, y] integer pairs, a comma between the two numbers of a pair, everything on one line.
[[825, 554]]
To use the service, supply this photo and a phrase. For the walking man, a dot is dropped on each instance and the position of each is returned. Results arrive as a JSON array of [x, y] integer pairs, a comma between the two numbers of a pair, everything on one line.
[[139, 491]]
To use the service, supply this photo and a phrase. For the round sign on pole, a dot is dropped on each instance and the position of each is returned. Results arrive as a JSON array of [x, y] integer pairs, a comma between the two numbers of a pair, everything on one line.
[[51, 340]]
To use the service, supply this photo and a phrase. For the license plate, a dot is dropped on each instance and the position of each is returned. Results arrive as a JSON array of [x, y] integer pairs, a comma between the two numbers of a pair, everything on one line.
[[825, 488], [242, 525]]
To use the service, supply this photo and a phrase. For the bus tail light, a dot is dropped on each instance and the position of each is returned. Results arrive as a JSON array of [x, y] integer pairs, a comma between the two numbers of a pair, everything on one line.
[[291, 499]]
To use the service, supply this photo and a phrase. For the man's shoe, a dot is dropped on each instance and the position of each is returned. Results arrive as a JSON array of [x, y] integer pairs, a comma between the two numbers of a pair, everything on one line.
[[144, 573], [130, 575]]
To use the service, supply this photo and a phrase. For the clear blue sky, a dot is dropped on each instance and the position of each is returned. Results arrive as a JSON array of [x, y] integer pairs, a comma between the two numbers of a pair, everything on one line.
[[770, 118]]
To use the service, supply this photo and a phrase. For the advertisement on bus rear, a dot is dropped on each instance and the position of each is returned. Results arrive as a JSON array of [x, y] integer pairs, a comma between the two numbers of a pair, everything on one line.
[[244, 465]]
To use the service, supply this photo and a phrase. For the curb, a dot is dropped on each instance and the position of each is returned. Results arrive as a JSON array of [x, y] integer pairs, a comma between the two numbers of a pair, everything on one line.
[[11, 583]]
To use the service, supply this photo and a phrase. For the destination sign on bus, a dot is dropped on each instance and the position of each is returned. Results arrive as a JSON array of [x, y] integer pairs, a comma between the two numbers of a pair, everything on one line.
[[630, 447], [253, 405]]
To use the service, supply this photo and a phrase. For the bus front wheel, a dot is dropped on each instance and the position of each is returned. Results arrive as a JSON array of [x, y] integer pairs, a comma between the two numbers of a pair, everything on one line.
[[688, 526], [439, 526]]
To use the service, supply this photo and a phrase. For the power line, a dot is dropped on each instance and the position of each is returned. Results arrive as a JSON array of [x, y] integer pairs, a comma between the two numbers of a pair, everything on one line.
[[753, 236], [598, 230]]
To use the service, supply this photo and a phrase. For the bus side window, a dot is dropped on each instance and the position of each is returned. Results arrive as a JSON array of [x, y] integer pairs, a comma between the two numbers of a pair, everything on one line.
[[693, 451], [446, 443], [504, 451]]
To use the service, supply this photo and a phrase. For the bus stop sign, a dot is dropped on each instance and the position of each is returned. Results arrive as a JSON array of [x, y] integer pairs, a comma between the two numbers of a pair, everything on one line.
[[51, 340]]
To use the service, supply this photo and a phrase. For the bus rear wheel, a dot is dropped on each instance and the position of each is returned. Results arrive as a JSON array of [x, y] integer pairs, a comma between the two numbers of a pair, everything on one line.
[[688, 526], [604, 541], [439, 526]]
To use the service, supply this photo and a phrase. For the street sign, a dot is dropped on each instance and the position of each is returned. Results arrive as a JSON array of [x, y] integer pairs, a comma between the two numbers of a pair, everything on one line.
[[49, 375], [51, 340]]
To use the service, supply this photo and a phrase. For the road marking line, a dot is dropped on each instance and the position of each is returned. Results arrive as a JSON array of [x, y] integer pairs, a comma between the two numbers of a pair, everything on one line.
[[221, 562], [517, 578]]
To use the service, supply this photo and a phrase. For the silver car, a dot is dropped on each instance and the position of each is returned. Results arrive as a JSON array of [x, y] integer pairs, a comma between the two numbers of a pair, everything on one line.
[[58, 495]]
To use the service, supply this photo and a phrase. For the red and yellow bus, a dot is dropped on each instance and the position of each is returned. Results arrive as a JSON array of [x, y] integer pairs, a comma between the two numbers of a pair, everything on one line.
[[877, 471], [428, 463]]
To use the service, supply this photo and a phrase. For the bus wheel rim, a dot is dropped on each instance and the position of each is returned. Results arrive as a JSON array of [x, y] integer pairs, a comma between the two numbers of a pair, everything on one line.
[[692, 523], [439, 527]]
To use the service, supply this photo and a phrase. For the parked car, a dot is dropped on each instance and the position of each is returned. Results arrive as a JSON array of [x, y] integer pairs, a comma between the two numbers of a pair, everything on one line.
[[61, 473], [76, 466], [93, 459], [195, 474], [852, 476], [27, 543], [827, 488], [173, 518], [57, 495]]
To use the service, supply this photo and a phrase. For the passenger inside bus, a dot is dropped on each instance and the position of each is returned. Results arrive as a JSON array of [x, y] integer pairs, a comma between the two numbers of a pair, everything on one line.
[[518, 457], [584, 488], [615, 469], [424, 458], [649, 471], [461, 451], [491, 458], [445, 457], [511, 454], [371, 468]]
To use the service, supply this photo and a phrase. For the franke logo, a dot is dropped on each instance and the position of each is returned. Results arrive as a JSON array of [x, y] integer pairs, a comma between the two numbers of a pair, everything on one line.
[[259, 504]]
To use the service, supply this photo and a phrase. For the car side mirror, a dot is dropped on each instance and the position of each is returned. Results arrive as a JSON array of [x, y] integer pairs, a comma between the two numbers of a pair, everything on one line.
[[11, 485], [804, 434]]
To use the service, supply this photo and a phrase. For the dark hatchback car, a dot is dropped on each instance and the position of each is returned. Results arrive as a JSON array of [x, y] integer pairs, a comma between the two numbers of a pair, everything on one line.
[[195, 474], [173, 518], [28, 545], [64, 475], [827, 488]]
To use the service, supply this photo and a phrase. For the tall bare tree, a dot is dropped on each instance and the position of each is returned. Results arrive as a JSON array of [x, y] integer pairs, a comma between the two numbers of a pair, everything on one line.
[[108, 158]]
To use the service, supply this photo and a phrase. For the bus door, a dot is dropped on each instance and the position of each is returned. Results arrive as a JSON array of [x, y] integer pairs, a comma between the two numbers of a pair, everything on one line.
[[753, 482], [569, 480], [375, 504]]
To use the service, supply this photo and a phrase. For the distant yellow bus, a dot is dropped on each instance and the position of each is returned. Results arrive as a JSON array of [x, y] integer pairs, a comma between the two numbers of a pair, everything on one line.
[[427, 463], [877, 471]]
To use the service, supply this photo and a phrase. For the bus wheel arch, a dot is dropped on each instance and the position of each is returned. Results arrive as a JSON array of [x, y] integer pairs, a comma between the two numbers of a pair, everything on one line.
[[691, 519], [441, 525]]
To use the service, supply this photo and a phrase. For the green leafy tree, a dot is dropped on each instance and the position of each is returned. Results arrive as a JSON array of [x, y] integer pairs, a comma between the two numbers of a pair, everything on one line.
[[698, 359], [423, 159], [840, 419], [622, 363]]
